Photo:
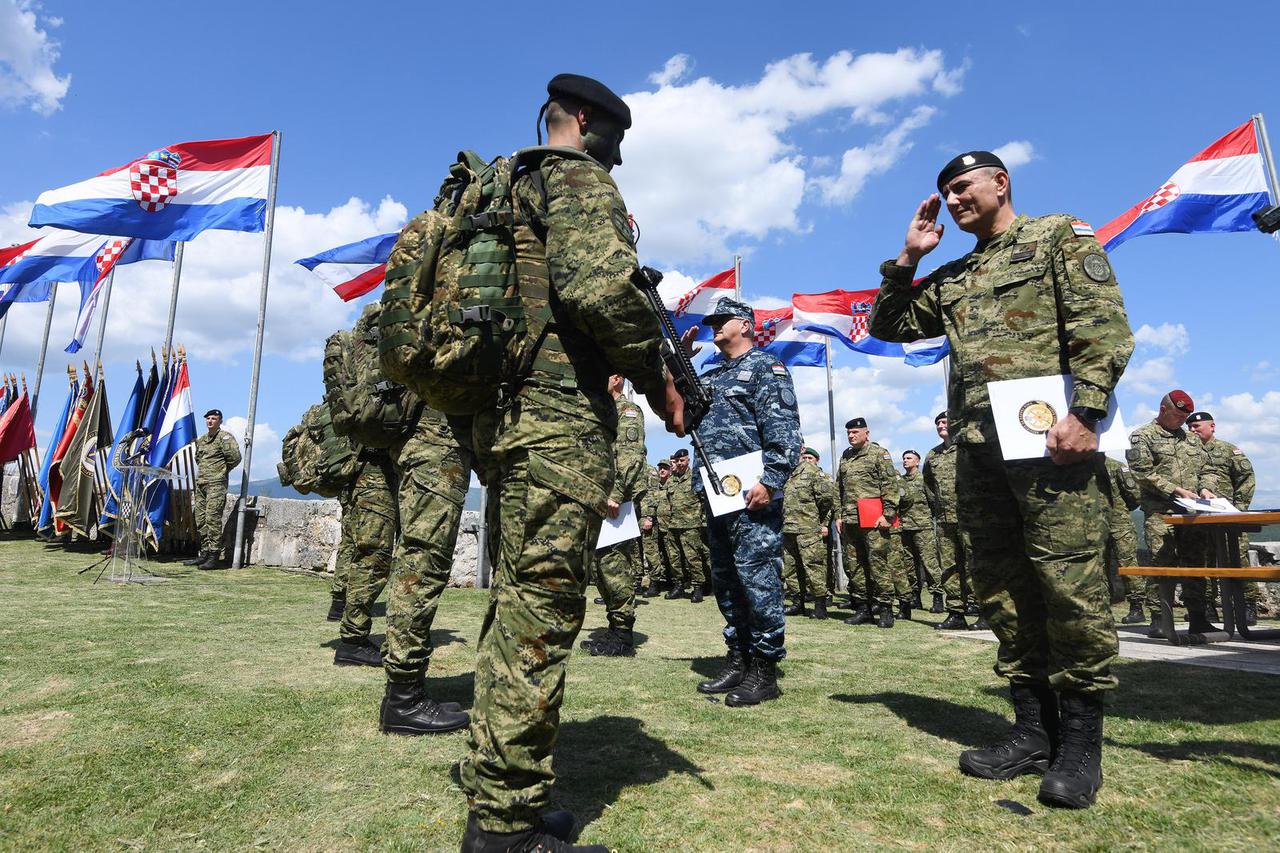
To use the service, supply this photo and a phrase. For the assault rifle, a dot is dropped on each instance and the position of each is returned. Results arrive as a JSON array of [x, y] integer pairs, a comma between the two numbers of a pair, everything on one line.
[[697, 402]]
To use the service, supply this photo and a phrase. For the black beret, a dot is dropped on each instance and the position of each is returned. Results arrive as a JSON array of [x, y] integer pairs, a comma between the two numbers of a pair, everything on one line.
[[1200, 416], [942, 416], [967, 162], [680, 454], [591, 92], [217, 412], [915, 453], [856, 423]]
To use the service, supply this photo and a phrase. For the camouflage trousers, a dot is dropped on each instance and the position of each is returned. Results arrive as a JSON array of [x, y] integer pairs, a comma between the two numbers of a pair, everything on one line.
[[655, 556], [687, 551], [1171, 547], [746, 573], [615, 574], [536, 608], [902, 570], [1123, 541], [419, 574], [210, 501], [371, 529], [953, 557], [342, 565], [920, 552], [1035, 532], [804, 565], [867, 555]]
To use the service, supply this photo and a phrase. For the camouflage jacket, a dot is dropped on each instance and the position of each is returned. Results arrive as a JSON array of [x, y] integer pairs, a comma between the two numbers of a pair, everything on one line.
[[940, 481], [1162, 461], [600, 324], [629, 454], [654, 504], [1125, 494], [808, 499], [867, 472], [1229, 473], [434, 458], [1039, 299], [684, 505], [216, 455], [753, 407], [914, 510]]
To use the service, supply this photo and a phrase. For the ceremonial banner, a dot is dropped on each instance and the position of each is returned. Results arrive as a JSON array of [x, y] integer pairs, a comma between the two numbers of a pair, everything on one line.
[[354, 269], [688, 307], [115, 477], [17, 430], [46, 510], [177, 429], [173, 193], [76, 496], [71, 256], [72, 429]]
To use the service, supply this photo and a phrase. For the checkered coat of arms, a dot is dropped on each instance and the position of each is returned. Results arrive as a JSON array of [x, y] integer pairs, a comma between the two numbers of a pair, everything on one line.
[[153, 180]]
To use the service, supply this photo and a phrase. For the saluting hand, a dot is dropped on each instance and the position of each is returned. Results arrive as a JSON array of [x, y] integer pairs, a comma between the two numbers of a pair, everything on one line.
[[686, 341], [924, 233]]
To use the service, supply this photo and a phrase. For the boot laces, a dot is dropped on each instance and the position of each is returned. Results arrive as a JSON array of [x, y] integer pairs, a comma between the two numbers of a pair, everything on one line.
[[1078, 743]]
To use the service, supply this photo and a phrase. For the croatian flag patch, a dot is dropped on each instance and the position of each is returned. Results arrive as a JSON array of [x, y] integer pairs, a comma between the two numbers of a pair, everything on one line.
[[1082, 229]]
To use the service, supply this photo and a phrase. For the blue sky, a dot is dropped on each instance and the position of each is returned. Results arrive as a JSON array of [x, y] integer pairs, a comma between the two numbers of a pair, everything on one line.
[[801, 140]]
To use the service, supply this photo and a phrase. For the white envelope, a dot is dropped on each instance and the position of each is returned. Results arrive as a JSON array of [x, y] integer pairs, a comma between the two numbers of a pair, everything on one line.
[[737, 475], [1025, 409], [625, 526]]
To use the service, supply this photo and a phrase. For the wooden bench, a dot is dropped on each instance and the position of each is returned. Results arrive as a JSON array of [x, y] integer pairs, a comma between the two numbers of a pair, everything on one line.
[[1233, 606]]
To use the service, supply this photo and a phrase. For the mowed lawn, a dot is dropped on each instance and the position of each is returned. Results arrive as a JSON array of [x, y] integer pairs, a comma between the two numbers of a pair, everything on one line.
[[205, 712]]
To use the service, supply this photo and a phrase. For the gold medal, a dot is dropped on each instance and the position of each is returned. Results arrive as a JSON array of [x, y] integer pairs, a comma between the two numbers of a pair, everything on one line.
[[730, 485], [1037, 417]]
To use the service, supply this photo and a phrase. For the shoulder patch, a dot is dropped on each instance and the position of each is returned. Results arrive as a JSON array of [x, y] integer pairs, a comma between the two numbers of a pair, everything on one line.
[[1082, 228], [1096, 267], [622, 224], [778, 369], [630, 413], [1237, 451], [744, 375]]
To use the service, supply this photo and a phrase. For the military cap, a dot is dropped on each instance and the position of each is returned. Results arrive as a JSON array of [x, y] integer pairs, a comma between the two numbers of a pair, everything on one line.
[[809, 451], [941, 416], [1180, 400], [663, 463], [1200, 416], [729, 307], [591, 92], [680, 454], [967, 162], [856, 423], [217, 412], [915, 453]]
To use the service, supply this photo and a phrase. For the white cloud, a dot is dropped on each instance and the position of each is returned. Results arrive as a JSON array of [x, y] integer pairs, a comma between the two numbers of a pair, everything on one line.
[[27, 56], [1153, 370], [267, 445], [1015, 153], [1149, 376], [707, 165], [1169, 337]]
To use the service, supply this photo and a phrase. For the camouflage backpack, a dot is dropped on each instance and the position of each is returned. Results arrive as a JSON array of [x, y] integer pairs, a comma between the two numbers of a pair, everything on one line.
[[315, 458], [366, 407], [285, 468], [454, 320]]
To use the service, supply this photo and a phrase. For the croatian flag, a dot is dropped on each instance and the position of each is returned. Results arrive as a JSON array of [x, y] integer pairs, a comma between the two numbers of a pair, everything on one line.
[[173, 193], [688, 307], [116, 250], [843, 315], [1217, 190], [11, 293], [776, 333], [178, 429], [354, 269]]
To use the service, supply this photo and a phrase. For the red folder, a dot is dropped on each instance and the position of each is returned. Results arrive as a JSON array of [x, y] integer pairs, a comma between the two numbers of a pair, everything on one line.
[[869, 512]]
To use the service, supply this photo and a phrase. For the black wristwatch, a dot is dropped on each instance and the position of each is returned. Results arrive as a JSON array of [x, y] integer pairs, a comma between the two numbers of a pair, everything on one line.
[[1089, 415]]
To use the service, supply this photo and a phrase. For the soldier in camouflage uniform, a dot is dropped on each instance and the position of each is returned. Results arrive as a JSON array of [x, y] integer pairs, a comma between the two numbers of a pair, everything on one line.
[[808, 500], [685, 534], [370, 526], [1229, 475], [615, 566], [1123, 497], [433, 471], [216, 454], [919, 545], [866, 473], [341, 566], [940, 485], [654, 509], [753, 407], [1169, 462], [550, 461], [1034, 296]]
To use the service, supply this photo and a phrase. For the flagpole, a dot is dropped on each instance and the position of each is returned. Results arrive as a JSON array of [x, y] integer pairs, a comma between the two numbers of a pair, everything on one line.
[[1264, 145], [44, 348], [237, 557], [737, 277], [173, 294], [102, 324], [831, 405]]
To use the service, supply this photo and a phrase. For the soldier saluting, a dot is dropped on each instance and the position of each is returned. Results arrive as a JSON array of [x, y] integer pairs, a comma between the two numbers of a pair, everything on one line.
[[1033, 296]]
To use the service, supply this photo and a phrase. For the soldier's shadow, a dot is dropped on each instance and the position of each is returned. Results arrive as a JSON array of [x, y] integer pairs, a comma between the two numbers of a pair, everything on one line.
[[962, 724], [638, 639], [596, 759], [439, 638]]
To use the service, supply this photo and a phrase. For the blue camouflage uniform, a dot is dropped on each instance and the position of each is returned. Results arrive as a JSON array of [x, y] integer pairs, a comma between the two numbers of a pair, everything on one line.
[[753, 407]]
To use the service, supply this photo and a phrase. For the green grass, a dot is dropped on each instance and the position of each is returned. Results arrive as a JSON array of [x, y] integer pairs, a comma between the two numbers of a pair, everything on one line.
[[205, 712]]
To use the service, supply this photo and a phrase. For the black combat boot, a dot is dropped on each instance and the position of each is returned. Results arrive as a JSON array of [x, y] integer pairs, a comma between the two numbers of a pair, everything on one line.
[[1135, 616], [676, 591], [795, 608], [760, 685], [937, 607], [1250, 614], [363, 653], [197, 559], [617, 643], [982, 624], [1156, 632], [652, 591], [1028, 746], [1211, 612], [971, 610], [1075, 776], [915, 600], [886, 616], [820, 608], [539, 839], [904, 610], [212, 560], [730, 675], [408, 710], [954, 622], [1198, 623], [861, 616], [337, 604], [695, 594], [598, 600]]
